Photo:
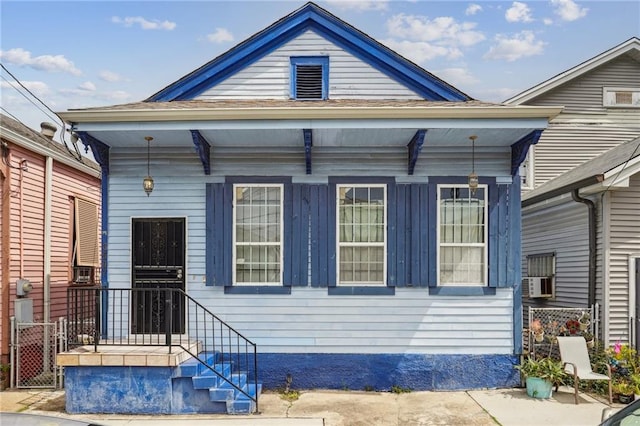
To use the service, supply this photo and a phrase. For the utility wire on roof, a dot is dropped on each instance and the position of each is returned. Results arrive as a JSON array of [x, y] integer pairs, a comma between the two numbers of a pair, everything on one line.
[[75, 152], [633, 154]]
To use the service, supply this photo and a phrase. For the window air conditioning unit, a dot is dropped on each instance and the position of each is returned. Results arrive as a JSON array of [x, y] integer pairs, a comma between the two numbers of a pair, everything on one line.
[[539, 287], [82, 274]]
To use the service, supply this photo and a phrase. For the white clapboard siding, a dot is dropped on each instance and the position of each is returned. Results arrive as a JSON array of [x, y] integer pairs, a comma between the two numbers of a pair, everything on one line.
[[585, 92], [563, 229], [411, 321], [624, 240], [585, 128], [349, 77], [564, 146]]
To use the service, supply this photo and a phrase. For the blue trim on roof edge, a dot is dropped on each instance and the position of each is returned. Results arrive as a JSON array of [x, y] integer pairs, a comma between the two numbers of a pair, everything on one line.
[[310, 16]]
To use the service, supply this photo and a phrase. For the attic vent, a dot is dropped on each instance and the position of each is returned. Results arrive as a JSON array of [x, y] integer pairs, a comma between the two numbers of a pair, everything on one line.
[[309, 82], [621, 97], [310, 78]]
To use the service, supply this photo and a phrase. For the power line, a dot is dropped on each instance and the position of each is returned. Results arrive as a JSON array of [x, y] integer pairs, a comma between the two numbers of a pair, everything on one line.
[[63, 131]]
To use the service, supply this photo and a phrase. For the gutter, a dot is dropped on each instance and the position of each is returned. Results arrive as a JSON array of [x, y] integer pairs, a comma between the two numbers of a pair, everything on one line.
[[575, 194], [591, 180]]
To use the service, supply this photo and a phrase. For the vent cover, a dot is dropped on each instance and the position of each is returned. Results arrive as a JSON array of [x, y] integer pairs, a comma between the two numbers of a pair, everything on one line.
[[309, 82]]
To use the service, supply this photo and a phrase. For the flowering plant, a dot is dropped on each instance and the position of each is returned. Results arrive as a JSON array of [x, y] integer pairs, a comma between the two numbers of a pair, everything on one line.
[[573, 326], [536, 327]]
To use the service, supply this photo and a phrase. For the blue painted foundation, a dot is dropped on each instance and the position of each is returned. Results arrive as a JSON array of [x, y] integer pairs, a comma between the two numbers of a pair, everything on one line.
[[383, 371], [171, 390]]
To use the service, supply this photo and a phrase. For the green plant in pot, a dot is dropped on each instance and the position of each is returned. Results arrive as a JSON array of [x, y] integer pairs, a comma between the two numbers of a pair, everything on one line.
[[624, 391], [541, 375]]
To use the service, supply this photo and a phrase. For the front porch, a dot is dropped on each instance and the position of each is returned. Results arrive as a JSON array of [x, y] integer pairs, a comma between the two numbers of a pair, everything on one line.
[[112, 367]]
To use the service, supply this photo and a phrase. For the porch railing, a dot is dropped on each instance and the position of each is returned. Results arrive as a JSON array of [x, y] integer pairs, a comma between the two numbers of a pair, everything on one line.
[[161, 317]]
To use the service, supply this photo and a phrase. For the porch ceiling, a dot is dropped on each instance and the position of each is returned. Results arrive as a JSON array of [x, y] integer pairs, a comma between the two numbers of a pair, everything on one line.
[[322, 137]]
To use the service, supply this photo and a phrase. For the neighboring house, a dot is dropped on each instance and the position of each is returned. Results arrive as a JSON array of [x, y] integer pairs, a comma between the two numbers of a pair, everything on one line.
[[585, 262], [49, 225], [601, 99], [590, 214], [318, 185]]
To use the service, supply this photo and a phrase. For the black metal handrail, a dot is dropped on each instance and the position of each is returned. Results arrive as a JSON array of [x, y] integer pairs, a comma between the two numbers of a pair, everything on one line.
[[138, 317]]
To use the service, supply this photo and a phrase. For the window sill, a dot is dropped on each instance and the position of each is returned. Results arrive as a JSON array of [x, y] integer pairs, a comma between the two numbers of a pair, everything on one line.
[[361, 291], [462, 291], [256, 289]]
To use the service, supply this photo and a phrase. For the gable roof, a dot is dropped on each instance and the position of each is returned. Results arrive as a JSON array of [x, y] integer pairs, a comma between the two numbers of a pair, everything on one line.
[[311, 17], [630, 47], [607, 169], [16, 132]]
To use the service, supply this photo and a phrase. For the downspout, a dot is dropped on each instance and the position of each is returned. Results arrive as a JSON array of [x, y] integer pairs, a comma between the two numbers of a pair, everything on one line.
[[48, 181], [575, 194]]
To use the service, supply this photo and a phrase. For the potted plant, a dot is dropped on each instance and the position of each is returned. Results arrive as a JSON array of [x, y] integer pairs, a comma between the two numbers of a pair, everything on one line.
[[624, 391], [584, 320], [589, 338], [537, 330], [541, 375]]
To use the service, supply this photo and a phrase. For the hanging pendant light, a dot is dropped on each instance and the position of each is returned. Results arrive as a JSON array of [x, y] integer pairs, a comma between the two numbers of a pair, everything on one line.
[[147, 182], [473, 177]]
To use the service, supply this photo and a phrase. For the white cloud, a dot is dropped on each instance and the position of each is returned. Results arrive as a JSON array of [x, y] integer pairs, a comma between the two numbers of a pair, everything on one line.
[[518, 12], [38, 88], [457, 76], [421, 51], [49, 63], [87, 86], [513, 48], [220, 35], [110, 76], [360, 4], [145, 24], [547, 21], [472, 9], [442, 30], [568, 10]]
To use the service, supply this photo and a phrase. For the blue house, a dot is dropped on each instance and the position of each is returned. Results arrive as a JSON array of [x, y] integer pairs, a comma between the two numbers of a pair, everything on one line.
[[350, 213]]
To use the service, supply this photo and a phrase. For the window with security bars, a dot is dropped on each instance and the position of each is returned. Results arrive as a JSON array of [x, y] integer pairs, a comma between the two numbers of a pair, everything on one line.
[[309, 78], [361, 221], [462, 235], [257, 234], [541, 265]]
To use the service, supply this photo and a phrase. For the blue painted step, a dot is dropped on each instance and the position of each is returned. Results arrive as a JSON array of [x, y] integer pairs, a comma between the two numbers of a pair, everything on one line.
[[225, 391], [208, 379], [242, 404], [193, 367]]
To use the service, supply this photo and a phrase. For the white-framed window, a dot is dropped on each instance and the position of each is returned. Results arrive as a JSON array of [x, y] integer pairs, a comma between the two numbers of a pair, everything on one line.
[[361, 234], [462, 235], [257, 234], [623, 97]]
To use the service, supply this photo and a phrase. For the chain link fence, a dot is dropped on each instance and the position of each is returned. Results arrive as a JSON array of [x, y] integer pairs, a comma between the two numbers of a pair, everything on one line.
[[34, 350], [545, 324]]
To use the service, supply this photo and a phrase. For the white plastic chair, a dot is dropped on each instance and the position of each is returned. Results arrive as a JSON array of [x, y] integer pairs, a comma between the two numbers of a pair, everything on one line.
[[575, 358]]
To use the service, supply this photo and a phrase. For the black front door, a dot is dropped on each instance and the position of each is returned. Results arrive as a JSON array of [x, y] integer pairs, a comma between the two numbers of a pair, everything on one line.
[[158, 264]]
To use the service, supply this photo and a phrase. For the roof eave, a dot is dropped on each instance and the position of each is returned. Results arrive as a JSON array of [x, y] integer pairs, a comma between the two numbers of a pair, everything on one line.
[[306, 113], [588, 181]]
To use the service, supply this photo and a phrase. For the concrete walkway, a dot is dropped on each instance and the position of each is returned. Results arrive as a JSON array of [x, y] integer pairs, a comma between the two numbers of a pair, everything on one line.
[[506, 407]]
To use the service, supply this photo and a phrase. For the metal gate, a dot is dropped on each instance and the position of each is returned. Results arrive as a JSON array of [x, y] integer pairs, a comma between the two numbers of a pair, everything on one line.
[[33, 354]]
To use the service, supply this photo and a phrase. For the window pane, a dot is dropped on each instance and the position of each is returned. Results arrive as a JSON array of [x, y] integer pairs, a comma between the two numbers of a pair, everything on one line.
[[462, 235], [258, 233], [361, 221]]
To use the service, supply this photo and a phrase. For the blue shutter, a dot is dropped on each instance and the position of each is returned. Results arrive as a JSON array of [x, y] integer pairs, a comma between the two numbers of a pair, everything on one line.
[[322, 220], [408, 244], [219, 198], [296, 234]]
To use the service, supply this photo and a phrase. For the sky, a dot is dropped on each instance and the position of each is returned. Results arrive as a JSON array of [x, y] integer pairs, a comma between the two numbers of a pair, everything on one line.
[[79, 54]]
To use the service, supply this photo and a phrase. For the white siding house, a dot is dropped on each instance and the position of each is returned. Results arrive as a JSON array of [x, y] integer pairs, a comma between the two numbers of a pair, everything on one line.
[[322, 184]]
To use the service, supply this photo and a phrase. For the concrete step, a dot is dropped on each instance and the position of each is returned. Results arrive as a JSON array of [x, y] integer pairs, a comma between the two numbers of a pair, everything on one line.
[[208, 379]]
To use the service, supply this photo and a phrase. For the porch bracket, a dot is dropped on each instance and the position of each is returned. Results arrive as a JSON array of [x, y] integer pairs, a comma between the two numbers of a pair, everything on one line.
[[414, 147], [308, 143], [203, 149], [99, 149], [520, 149]]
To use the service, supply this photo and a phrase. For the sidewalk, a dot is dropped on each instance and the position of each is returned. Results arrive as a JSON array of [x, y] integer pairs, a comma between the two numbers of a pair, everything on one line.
[[506, 407]]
